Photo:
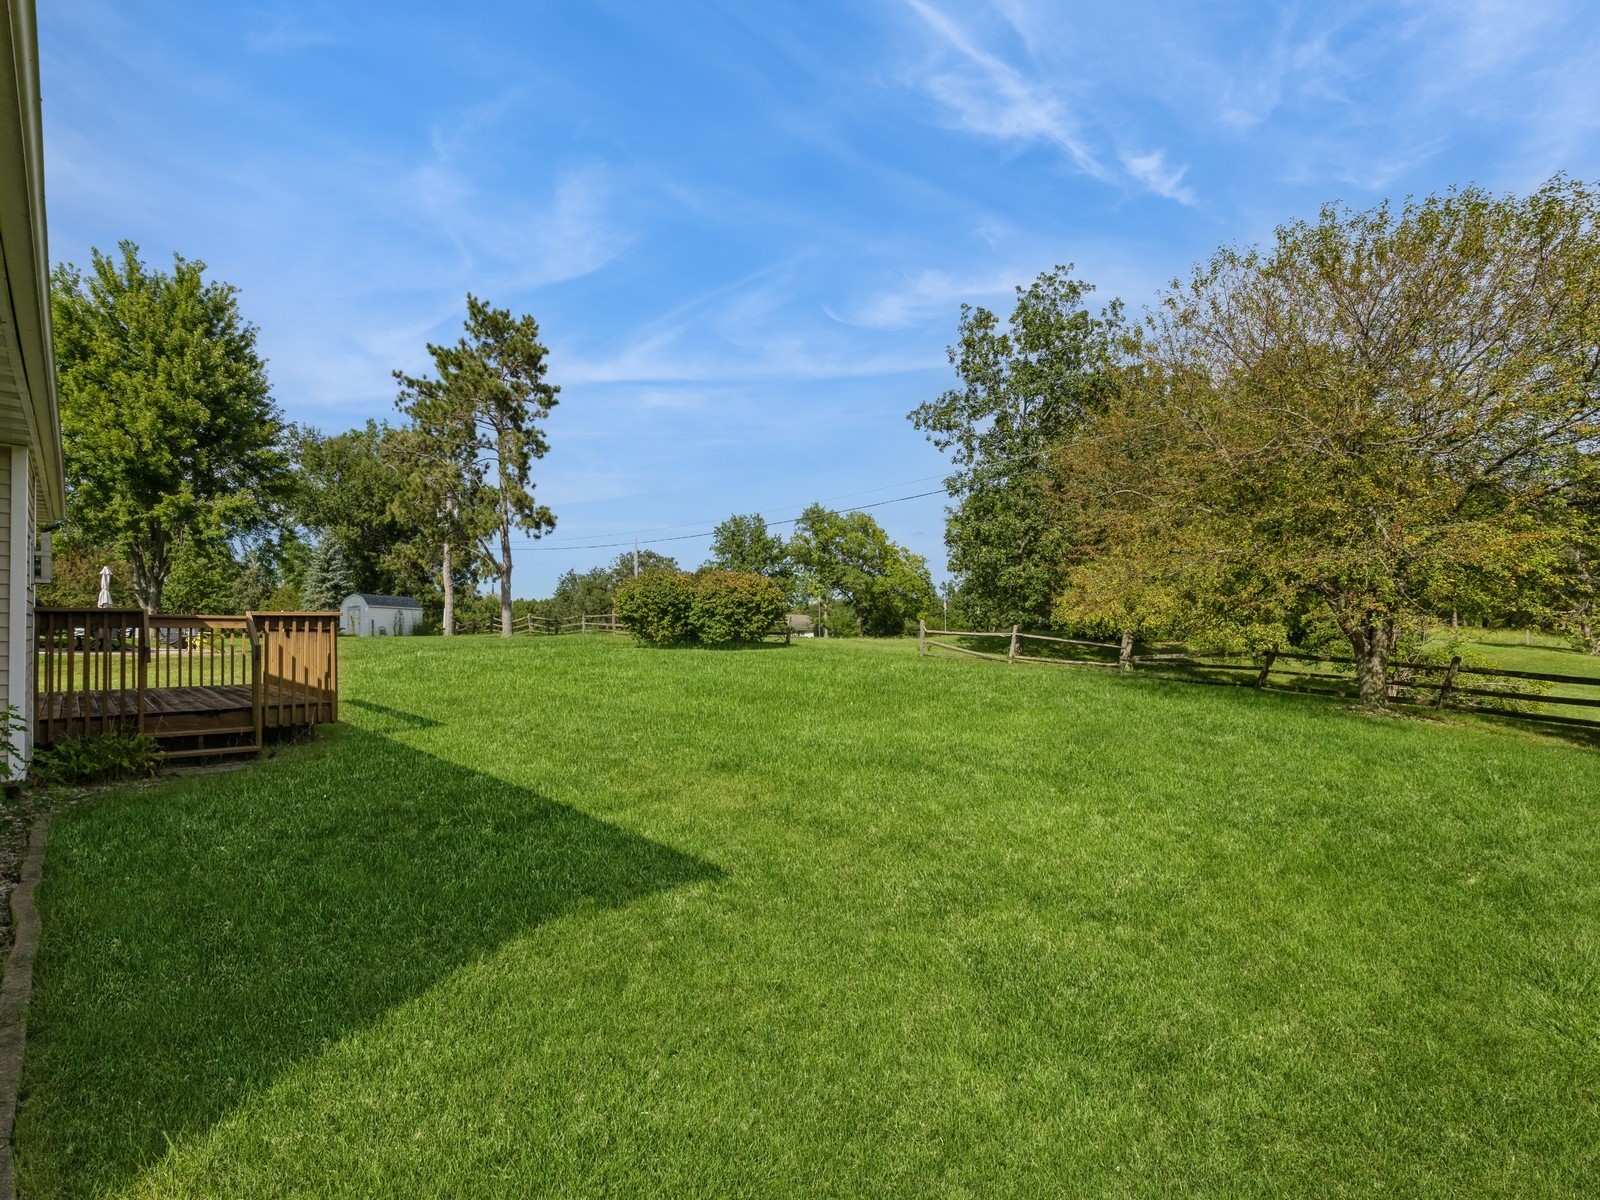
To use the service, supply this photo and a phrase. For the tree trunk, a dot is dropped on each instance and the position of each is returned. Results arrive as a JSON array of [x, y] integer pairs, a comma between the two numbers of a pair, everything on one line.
[[149, 578], [1372, 643], [505, 579], [1125, 654], [447, 580]]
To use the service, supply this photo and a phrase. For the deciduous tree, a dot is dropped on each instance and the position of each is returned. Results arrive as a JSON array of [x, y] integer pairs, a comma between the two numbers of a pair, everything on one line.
[[848, 556], [169, 430], [1025, 388], [743, 543], [1381, 413], [346, 486]]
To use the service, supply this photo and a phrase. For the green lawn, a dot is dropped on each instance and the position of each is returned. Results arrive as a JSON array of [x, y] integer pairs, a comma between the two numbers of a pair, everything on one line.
[[564, 917], [1515, 651]]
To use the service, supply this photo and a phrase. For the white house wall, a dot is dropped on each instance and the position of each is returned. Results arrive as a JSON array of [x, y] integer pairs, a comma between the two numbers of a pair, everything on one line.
[[7, 604], [17, 489]]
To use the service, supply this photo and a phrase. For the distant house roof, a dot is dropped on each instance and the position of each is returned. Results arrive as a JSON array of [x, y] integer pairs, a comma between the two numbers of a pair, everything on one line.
[[375, 601], [799, 623]]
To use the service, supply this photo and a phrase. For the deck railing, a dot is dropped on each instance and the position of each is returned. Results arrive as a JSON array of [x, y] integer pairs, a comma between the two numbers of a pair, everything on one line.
[[101, 670], [89, 662], [190, 650], [299, 666]]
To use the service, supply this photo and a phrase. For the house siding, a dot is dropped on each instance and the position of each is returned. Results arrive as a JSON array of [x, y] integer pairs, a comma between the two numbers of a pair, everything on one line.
[[18, 499], [5, 571]]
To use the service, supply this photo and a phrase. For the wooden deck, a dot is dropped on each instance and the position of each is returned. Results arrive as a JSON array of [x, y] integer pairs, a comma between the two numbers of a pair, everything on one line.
[[193, 709], [200, 684]]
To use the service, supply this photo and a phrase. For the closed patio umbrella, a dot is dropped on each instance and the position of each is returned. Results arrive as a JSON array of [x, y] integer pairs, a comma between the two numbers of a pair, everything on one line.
[[104, 600]]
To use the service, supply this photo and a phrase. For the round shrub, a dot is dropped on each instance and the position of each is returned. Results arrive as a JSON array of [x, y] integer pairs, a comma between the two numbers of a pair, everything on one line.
[[655, 606], [735, 606]]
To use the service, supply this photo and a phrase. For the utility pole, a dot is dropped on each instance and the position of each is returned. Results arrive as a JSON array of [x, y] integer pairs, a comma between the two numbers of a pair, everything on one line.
[[636, 558]]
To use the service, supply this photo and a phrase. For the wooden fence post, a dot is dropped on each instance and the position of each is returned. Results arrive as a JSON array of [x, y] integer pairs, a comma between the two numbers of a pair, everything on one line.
[[1266, 667], [922, 637], [1125, 653], [1012, 656], [1449, 681]]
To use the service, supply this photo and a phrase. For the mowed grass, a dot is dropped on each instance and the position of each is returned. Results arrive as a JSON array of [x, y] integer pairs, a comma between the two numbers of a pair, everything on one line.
[[567, 917]]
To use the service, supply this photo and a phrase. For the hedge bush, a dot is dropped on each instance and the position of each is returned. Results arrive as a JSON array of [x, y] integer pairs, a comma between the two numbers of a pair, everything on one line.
[[655, 606], [717, 608], [735, 606]]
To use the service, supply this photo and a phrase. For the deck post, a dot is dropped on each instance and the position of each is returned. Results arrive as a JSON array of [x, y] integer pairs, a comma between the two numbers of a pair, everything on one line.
[[143, 672], [258, 689]]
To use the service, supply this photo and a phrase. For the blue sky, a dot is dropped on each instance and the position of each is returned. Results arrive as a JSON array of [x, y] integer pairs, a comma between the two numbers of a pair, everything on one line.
[[747, 228]]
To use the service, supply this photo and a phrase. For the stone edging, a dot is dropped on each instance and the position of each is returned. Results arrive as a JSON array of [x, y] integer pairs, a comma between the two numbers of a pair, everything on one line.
[[14, 994]]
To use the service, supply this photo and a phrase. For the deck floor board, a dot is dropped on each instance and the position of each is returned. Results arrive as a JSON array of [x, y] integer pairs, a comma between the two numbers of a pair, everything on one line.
[[180, 702]]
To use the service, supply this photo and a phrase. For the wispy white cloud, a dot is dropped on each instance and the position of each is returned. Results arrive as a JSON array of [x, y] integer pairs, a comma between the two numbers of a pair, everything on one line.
[[988, 95], [1152, 170], [985, 93], [284, 34], [925, 295]]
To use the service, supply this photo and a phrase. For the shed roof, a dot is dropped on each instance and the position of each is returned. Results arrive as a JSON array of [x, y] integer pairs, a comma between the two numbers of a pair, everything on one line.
[[372, 600]]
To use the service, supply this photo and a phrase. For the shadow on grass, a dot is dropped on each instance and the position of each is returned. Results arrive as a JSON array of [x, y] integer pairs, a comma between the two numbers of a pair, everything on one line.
[[203, 937], [390, 720]]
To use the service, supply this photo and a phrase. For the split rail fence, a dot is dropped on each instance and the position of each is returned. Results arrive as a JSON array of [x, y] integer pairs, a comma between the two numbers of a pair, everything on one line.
[[585, 623], [1528, 695]]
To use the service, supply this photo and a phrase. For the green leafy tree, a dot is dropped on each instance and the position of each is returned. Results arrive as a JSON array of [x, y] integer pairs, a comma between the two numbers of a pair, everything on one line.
[[580, 594], [848, 557], [1381, 415], [1025, 388], [346, 487], [75, 574], [443, 508], [594, 591], [1572, 590], [204, 579], [328, 580], [169, 430], [489, 396], [743, 543]]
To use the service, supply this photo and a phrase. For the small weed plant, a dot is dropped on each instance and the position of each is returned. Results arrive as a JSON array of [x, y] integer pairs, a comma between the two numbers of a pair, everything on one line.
[[102, 759]]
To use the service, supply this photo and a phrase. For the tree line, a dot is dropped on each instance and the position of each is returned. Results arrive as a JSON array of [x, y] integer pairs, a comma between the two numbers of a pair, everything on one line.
[[1374, 420], [841, 566], [183, 475]]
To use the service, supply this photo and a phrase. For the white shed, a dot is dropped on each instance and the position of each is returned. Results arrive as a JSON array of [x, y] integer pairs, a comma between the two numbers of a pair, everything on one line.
[[367, 615]]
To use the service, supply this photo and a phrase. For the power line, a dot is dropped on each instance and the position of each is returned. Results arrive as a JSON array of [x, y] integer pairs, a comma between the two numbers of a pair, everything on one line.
[[973, 473], [557, 543], [687, 537]]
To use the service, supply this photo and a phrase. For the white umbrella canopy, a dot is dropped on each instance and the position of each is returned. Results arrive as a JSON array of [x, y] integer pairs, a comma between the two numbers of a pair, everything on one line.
[[104, 600]]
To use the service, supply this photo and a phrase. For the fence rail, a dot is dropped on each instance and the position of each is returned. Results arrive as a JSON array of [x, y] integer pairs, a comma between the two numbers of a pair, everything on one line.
[[582, 623], [1436, 685]]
